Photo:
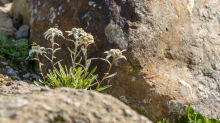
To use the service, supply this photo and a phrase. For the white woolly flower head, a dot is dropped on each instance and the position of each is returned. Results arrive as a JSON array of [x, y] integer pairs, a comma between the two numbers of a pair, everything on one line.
[[76, 32], [37, 49], [86, 39], [53, 32], [115, 53], [81, 36]]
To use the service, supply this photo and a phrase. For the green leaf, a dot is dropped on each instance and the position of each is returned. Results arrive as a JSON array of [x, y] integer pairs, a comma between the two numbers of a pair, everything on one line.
[[16, 68], [78, 53], [191, 114], [40, 83], [93, 70], [211, 121], [70, 40], [199, 121], [101, 59], [49, 48], [56, 44], [200, 118], [190, 121], [88, 64], [111, 75], [58, 62], [56, 50], [165, 121], [182, 120], [192, 117], [190, 110], [48, 58], [105, 87], [71, 51]]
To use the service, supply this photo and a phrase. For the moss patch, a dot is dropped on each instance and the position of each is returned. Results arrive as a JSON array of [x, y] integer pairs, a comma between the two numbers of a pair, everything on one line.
[[2, 76], [3, 58]]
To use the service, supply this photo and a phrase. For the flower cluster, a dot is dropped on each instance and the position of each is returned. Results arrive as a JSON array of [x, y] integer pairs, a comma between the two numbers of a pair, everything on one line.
[[86, 39], [81, 36], [76, 32], [37, 49], [53, 32], [83, 79], [115, 53]]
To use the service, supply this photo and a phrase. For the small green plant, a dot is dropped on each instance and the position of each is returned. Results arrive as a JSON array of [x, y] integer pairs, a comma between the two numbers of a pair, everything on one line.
[[17, 51], [192, 118], [77, 76]]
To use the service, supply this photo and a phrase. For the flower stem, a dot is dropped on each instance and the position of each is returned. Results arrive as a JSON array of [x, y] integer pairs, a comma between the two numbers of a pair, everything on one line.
[[40, 67], [85, 55], [52, 52], [105, 75], [76, 45]]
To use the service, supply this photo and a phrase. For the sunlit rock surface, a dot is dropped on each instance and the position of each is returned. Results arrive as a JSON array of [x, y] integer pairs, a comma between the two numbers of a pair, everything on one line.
[[172, 49], [24, 103]]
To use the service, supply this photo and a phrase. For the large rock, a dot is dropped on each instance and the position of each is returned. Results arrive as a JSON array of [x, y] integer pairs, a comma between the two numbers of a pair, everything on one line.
[[173, 49], [6, 25], [21, 10], [23, 103]]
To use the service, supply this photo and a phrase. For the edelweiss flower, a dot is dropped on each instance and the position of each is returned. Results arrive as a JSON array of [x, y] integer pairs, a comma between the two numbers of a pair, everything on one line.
[[76, 32], [37, 49], [86, 39], [53, 32], [115, 53], [81, 36]]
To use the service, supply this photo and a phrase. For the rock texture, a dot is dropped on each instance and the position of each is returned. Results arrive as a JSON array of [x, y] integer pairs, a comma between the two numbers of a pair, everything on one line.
[[23, 32], [6, 25], [23, 103], [21, 10], [4, 65], [5, 7], [173, 49], [5, 1]]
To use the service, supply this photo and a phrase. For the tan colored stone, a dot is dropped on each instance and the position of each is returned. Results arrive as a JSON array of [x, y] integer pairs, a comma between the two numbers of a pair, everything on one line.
[[21, 102], [6, 8], [21, 10], [173, 49], [6, 26]]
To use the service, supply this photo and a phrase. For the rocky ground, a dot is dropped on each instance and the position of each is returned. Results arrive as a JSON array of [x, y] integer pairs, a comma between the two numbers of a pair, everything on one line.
[[22, 74], [21, 102], [14, 29]]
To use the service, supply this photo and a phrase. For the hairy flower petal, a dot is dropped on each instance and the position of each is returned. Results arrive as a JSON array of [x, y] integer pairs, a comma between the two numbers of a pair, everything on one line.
[[115, 53], [37, 49], [53, 32], [81, 36]]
